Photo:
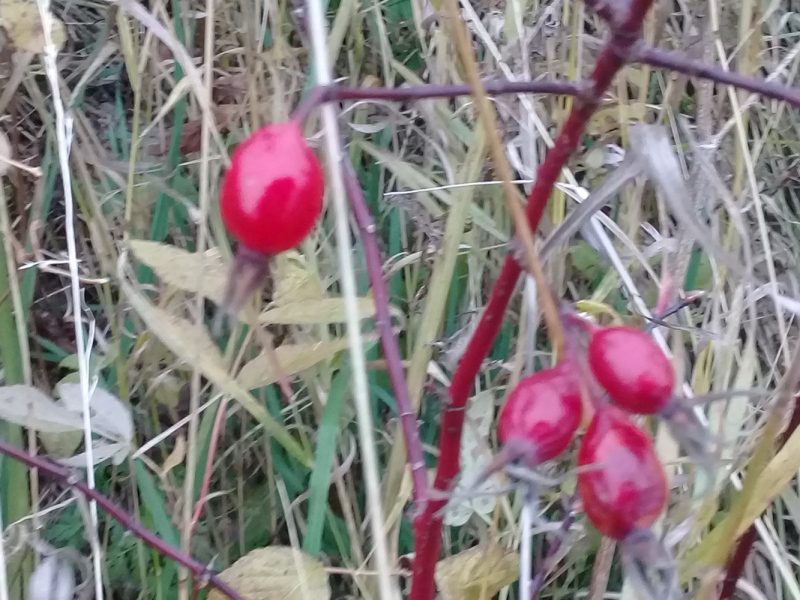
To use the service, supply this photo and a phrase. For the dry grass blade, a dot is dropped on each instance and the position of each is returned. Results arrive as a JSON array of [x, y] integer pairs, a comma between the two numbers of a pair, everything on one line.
[[763, 476], [487, 117], [599, 197], [139, 12], [661, 164], [318, 33]]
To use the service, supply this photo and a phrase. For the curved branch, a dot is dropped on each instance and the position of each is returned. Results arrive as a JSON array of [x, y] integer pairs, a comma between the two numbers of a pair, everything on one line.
[[64, 475]]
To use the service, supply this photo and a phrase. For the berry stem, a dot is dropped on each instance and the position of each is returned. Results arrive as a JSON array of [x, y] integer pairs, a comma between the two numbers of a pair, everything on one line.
[[391, 349], [612, 58], [62, 474]]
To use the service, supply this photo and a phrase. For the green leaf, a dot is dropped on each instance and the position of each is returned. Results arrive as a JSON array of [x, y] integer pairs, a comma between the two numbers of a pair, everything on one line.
[[153, 501], [585, 259], [323, 461]]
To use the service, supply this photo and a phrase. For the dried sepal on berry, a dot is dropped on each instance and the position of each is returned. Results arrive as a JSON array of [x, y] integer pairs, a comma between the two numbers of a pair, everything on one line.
[[649, 566]]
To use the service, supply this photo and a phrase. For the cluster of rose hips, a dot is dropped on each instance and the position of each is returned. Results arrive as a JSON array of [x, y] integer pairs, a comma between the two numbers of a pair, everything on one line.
[[621, 481], [271, 197]]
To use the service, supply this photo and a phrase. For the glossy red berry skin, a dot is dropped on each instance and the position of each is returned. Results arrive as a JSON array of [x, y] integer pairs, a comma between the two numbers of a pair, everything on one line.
[[632, 368], [629, 489], [542, 414], [271, 196]]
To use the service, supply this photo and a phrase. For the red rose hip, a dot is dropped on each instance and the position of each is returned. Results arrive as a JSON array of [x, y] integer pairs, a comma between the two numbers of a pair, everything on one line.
[[271, 196], [625, 489], [632, 368], [541, 415]]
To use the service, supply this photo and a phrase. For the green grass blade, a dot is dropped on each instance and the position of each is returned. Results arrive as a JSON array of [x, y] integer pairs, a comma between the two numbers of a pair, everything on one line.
[[323, 461]]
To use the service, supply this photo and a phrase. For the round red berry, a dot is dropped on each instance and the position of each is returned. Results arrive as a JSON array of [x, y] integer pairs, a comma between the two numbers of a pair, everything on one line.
[[632, 368], [542, 414], [625, 488], [271, 196]]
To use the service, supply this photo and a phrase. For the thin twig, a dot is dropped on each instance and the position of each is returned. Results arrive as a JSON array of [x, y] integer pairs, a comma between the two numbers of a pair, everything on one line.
[[64, 475], [736, 563], [640, 52], [391, 349], [677, 61], [335, 93], [555, 547], [601, 569]]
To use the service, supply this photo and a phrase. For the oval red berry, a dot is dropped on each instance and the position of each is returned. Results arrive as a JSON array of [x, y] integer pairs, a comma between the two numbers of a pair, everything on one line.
[[632, 368], [626, 488], [544, 410], [271, 196]]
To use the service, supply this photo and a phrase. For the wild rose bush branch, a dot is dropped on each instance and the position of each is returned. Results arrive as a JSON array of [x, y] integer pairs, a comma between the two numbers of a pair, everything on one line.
[[623, 46]]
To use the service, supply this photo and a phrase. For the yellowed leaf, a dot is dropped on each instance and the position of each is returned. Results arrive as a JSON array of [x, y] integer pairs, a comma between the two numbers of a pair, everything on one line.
[[23, 24], [292, 359], [168, 394], [276, 573], [298, 296], [176, 457], [477, 573], [294, 282], [192, 345], [779, 472], [183, 269], [608, 119], [321, 310]]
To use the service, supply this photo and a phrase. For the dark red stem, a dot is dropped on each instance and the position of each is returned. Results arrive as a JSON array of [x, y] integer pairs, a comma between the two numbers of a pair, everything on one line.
[[736, 564], [391, 349], [640, 52], [60, 473], [677, 61], [624, 34], [335, 93]]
